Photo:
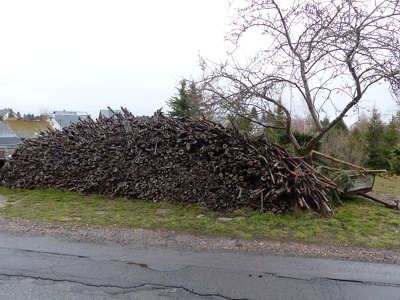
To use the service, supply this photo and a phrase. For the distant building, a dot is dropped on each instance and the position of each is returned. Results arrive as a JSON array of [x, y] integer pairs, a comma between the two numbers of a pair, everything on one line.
[[27, 129], [4, 113], [107, 113], [62, 119], [8, 142]]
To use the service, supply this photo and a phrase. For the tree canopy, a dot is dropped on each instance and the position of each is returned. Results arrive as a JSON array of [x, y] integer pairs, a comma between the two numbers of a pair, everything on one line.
[[325, 54], [187, 102]]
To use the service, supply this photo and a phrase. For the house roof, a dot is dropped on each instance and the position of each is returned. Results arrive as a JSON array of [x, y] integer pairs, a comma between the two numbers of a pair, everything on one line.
[[27, 129], [106, 113], [66, 118], [72, 113], [3, 112], [8, 138]]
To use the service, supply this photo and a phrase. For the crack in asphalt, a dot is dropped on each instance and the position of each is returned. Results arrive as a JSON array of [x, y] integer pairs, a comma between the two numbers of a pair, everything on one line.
[[383, 284], [198, 294], [69, 280], [45, 252], [132, 289], [186, 267], [124, 290]]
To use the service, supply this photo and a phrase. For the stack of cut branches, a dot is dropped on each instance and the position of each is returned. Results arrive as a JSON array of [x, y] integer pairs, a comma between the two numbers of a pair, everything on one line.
[[160, 159]]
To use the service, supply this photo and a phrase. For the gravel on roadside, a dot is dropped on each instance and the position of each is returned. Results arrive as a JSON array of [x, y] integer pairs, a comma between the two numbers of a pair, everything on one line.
[[200, 243]]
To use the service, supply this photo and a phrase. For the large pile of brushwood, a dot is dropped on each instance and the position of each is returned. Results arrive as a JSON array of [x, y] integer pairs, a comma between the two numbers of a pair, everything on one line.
[[156, 158]]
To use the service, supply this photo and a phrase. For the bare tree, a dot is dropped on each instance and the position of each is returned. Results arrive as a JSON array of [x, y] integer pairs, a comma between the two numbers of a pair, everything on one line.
[[327, 53], [45, 113]]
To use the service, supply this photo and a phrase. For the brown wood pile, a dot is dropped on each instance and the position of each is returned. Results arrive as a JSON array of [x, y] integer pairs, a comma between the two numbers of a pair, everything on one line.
[[160, 159]]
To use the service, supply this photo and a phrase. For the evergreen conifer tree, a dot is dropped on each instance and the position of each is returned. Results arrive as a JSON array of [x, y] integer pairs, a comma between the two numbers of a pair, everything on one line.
[[179, 104], [375, 144], [187, 102]]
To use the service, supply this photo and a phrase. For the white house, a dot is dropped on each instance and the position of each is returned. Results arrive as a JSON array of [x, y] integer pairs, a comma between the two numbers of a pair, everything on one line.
[[4, 113]]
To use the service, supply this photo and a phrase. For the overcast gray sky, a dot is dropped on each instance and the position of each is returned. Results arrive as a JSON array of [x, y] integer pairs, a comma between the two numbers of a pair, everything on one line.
[[89, 54], [85, 55]]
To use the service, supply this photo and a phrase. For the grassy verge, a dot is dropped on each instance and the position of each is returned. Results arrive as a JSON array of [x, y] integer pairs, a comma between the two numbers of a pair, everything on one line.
[[358, 222]]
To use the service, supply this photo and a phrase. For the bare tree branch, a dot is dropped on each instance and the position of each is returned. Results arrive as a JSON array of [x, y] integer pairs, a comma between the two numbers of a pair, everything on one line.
[[328, 53]]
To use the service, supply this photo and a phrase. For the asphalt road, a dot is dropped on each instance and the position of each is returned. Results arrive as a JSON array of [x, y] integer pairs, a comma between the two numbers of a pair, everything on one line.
[[41, 267]]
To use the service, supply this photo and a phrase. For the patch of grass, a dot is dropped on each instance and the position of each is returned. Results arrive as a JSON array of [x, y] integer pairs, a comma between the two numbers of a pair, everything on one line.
[[358, 222], [389, 184]]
